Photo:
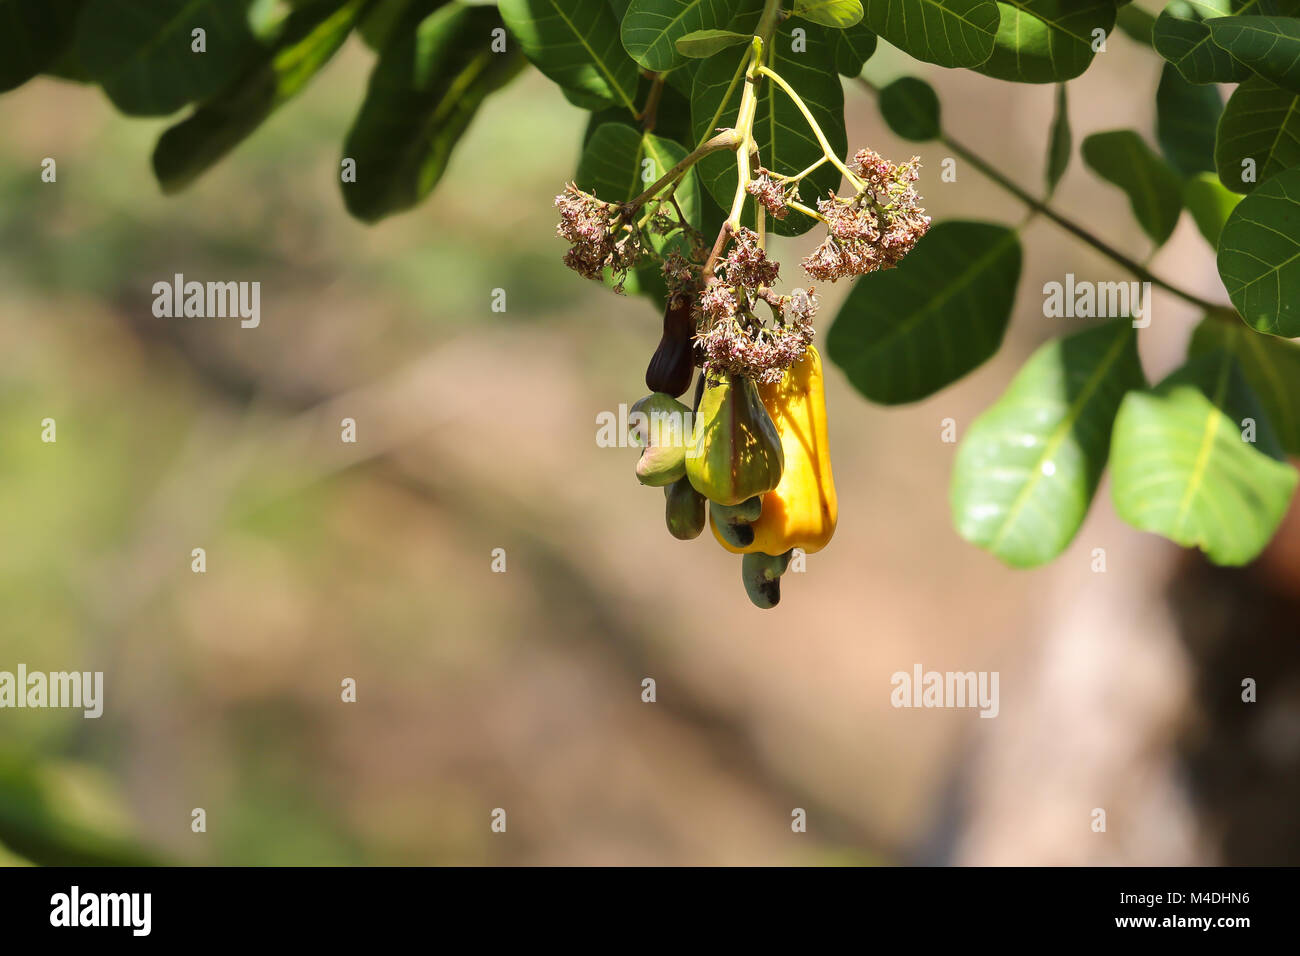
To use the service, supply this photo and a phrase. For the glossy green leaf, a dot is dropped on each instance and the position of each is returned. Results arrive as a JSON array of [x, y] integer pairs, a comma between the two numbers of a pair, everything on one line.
[[33, 34], [905, 333], [1181, 37], [312, 34], [1258, 135], [1028, 468], [423, 94], [1271, 366], [1270, 46], [1047, 41], [652, 28], [1187, 116], [576, 43], [141, 51], [946, 32], [911, 108], [853, 48], [839, 14], [785, 142], [1181, 468], [1060, 142], [705, 43], [1210, 204], [1122, 158], [1259, 256]]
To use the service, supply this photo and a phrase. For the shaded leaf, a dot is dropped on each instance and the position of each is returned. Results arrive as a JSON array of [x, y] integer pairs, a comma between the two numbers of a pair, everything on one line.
[[1028, 468], [1180, 467], [905, 333], [1270, 46], [1122, 158], [1258, 135], [312, 34], [1187, 116], [33, 35], [1136, 23], [1060, 143], [853, 48], [422, 96], [1259, 256], [385, 20], [140, 51], [576, 43], [911, 108], [1271, 366], [1046, 41], [1181, 37], [946, 32]]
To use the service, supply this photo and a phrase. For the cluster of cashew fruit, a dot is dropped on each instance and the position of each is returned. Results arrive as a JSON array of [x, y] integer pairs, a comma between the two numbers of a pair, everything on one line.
[[753, 456]]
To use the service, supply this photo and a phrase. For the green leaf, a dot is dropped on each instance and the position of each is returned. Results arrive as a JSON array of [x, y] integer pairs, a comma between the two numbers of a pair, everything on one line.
[[1209, 203], [1046, 41], [1180, 467], [1060, 143], [1182, 38], [422, 96], [53, 815], [905, 333], [651, 28], [839, 14], [312, 34], [1122, 158], [1187, 116], [947, 32], [141, 53], [785, 142], [576, 44], [385, 20], [1136, 23], [1259, 256], [911, 108], [705, 43], [1270, 46], [1258, 135], [1027, 470], [33, 34], [620, 162], [853, 48], [1271, 366]]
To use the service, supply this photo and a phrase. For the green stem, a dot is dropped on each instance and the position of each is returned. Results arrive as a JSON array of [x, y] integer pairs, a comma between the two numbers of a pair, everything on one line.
[[829, 153], [1040, 207], [745, 130], [725, 140]]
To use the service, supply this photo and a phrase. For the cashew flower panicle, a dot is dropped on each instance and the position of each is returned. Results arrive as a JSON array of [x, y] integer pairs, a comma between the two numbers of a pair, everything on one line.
[[874, 229]]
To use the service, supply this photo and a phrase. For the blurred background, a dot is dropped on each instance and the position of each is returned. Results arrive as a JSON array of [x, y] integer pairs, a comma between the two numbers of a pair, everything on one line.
[[476, 430]]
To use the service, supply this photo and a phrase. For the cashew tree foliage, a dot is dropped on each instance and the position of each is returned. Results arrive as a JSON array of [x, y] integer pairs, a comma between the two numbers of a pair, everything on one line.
[[714, 123]]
